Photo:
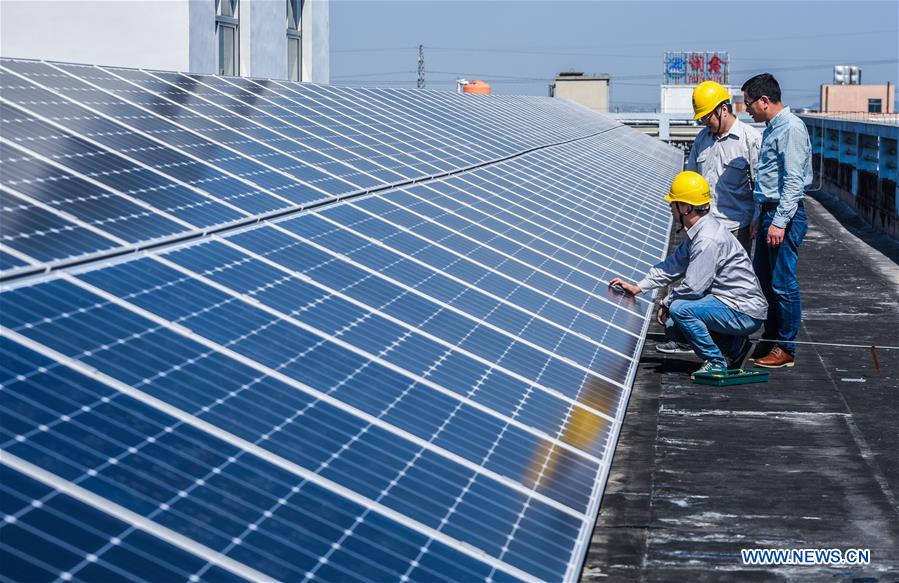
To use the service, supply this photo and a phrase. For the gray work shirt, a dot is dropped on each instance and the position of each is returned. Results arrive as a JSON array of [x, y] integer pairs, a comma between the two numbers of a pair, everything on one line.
[[728, 163], [711, 261]]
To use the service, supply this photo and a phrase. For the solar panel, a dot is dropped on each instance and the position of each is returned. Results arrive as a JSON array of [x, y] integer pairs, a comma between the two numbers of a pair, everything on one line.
[[287, 331]]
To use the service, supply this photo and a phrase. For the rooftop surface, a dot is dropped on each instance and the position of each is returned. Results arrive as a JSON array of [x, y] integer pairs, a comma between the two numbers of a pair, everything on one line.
[[807, 460]]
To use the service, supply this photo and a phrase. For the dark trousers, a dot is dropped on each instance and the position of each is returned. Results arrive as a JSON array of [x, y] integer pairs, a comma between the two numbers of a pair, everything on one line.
[[776, 269], [742, 235]]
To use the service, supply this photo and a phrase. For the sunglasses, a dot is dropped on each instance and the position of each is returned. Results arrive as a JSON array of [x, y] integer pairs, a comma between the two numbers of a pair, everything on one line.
[[748, 104]]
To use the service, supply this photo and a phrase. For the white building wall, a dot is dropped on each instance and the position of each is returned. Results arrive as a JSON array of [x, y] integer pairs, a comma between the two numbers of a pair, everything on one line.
[[264, 48], [679, 98], [128, 33], [592, 93], [177, 35], [317, 41], [201, 30]]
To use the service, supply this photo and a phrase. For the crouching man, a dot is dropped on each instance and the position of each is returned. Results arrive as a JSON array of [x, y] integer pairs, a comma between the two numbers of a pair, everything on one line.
[[718, 302]]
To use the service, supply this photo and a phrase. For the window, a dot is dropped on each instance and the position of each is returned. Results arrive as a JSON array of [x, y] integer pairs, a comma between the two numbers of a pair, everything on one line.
[[875, 106], [226, 24], [294, 40]]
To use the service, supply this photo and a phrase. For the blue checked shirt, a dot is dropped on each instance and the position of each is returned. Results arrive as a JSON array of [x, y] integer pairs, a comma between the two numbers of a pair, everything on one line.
[[785, 166]]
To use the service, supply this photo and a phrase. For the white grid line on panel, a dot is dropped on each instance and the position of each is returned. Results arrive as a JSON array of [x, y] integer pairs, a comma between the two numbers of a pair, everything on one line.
[[496, 234], [555, 186], [336, 293], [183, 331], [137, 163], [454, 309], [564, 195], [379, 360], [250, 184], [479, 264], [19, 255], [197, 133], [435, 118], [435, 202], [573, 573], [370, 113], [257, 451], [429, 298], [64, 215], [336, 121], [250, 120], [509, 197], [94, 182], [191, 546]]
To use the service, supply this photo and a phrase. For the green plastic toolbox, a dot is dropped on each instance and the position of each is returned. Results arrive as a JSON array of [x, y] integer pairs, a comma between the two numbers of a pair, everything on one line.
[[731, 376]]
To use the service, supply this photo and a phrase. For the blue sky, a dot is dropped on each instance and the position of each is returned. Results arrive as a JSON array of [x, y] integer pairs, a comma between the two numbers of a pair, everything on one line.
[[519, 46]]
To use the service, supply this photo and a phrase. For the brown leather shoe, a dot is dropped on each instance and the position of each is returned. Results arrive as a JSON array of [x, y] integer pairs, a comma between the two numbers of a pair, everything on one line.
[[777, 358], [762, 348]]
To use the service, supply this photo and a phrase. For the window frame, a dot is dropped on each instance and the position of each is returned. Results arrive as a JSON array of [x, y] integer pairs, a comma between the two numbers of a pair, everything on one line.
[[294, 10], [229, 20]]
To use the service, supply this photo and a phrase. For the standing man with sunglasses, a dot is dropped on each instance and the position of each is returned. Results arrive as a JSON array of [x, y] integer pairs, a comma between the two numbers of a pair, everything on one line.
[[726, 153], [784, 172]]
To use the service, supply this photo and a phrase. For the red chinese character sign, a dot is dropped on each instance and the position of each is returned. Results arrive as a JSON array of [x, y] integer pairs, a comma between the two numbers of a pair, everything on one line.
[[696, 70], [691, 68]]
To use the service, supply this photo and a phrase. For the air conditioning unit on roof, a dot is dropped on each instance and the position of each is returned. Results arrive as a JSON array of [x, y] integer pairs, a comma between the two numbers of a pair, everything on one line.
[[847, 75]]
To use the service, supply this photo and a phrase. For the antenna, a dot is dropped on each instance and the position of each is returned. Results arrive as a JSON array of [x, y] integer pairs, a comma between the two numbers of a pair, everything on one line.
[[421, 67]]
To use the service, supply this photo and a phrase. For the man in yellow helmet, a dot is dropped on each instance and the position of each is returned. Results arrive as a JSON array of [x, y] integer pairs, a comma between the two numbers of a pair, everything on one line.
[[718, 295], [726, 153]]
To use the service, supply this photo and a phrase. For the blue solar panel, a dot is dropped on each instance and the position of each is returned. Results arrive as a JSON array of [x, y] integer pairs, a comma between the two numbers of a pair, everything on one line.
[[420, 383]]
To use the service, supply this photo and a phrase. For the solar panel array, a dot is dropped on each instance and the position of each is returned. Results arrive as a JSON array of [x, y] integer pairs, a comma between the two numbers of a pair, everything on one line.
[[262, 330]]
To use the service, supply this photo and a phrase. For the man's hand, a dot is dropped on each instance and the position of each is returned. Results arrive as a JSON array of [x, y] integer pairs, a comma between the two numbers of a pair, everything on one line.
[[775, 236], [662, 315], [628, 287], [753, 229]]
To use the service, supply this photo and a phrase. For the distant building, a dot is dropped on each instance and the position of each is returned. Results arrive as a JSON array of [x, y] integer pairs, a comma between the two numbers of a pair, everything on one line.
[[679, 98], [280, 39], [589, 90], [858, 98]]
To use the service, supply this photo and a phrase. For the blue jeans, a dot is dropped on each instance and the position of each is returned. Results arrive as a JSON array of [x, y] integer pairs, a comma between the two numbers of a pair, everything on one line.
[[776, 269], [714, 330]]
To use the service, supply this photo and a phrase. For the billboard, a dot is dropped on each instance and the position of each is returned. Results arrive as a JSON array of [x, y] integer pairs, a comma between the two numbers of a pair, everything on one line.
[[692, 67]]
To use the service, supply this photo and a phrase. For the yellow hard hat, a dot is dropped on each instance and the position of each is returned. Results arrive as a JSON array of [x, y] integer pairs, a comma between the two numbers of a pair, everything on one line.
[[690, 188], [707, 96]]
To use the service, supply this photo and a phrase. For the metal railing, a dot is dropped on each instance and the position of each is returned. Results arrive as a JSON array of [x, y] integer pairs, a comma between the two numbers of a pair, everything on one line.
[[859, 116]]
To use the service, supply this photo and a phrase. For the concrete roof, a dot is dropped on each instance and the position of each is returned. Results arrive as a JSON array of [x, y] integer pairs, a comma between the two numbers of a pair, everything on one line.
[[807, 460]]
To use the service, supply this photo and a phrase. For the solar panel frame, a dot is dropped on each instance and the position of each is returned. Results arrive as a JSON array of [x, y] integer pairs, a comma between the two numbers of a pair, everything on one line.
[[57, 71], [517, 208]]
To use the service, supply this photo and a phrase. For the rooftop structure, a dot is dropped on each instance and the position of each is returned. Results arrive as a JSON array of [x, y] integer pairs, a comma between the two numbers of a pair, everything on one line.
[[856, 160], [874, 99], [588, 90]]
